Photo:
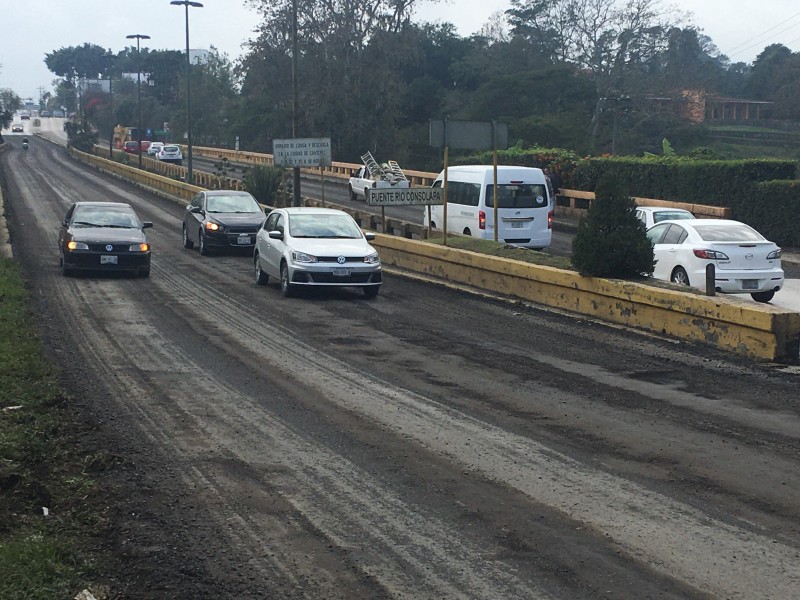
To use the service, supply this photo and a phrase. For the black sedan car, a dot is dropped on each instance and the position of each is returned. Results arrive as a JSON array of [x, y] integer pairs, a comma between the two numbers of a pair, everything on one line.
[[222, 220], [104, 236]]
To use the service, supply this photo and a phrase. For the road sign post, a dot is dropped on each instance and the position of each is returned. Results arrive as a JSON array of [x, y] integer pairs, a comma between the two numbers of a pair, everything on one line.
[[418, 196]]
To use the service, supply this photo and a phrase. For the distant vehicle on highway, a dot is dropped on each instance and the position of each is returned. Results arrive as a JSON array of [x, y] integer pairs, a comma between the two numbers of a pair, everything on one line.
[[744, 261], [154, 148], [375, 176], [25, 116], [131, 147], [524, 205], [17, 128], [58, 113], [650, 215], [316, 247], [222, 220], [170, 154], [45, 113], [103, 236]]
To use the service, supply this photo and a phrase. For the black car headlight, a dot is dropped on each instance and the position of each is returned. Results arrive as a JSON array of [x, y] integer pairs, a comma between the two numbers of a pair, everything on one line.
[[73, 245], [212, 226], [139, 248]]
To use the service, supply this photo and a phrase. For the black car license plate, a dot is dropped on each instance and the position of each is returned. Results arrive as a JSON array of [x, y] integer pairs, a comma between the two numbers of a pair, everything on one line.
[[106, 259]]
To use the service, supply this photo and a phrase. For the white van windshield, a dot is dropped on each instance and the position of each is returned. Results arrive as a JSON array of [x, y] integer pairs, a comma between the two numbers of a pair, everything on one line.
[[517, 195]]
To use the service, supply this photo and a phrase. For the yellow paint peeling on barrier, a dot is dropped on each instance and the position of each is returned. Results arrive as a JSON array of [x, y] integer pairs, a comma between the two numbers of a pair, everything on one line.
[[757, 330]]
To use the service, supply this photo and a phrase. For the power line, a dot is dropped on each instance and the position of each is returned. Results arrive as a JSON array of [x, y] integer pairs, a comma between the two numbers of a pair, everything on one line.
[[763, 33], [761, 42]]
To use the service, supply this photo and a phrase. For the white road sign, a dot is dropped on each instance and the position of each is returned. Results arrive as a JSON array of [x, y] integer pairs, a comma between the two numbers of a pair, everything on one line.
[[302, 152], [404, 196]]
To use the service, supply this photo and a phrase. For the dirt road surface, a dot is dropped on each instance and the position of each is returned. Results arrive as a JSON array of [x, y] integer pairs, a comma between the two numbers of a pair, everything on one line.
[[428, 444]]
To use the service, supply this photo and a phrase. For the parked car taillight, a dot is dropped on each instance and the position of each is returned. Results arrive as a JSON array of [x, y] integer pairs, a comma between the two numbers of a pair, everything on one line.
[[710, 254]]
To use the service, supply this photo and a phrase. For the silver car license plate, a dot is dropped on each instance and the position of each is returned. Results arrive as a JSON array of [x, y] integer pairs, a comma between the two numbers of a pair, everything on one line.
[[339, 272], [516, 224], [106, 259], [749, 284]]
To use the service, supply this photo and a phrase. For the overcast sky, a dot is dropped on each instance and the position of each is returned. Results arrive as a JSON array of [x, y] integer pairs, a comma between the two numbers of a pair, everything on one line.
[[740, 28]]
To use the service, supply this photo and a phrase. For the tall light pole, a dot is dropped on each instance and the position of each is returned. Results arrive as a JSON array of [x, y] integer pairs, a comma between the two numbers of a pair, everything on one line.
[[189, 175], [138, 37], [110, 59]]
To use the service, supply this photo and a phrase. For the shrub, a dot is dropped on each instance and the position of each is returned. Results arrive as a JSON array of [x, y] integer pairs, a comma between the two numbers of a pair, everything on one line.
[[264, 182], [611, 241]]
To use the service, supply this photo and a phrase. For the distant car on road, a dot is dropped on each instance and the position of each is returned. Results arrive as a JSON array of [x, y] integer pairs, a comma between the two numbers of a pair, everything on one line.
[[744, 261], [222, 220], [131, 147], [25, 116], [316, 247], [17, 128], [103, 236], [154, 148], [45, 113], [170, 154], [650, 215], [58, 113]]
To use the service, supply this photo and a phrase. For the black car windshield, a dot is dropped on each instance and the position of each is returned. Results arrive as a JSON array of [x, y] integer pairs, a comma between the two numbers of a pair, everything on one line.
[[521, 195], [232, 204], [105, 217], [323, 226]]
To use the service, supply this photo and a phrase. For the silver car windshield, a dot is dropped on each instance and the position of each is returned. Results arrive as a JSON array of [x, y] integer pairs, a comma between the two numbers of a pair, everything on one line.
[[232, 204], [323, 226]]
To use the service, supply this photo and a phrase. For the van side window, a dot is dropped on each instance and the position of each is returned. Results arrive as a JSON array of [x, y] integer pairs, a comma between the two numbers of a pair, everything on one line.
[[459, 192], [518, 195]]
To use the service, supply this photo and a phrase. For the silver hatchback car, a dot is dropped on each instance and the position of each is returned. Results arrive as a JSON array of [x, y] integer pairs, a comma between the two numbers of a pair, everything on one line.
[[316, 247]]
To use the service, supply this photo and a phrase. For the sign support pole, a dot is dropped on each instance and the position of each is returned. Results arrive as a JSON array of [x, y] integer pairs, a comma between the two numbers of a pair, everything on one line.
[[383, 220], [494, 177]]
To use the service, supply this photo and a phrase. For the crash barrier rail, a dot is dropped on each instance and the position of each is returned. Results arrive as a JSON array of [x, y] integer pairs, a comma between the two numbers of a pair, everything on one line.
[[759, 330], [572, 203]]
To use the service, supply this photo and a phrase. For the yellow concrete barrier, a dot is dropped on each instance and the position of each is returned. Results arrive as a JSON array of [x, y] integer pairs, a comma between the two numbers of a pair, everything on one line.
[[756, 330]]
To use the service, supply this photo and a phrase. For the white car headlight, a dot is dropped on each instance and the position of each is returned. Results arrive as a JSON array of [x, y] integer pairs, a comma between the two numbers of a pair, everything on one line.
[[73, 245], [302, 257], [372, 259]]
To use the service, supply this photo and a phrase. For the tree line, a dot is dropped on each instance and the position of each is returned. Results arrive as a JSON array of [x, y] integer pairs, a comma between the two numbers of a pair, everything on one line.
[[586, 75]]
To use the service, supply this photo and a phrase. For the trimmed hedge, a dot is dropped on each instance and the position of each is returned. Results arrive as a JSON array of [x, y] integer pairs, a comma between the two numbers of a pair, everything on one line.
[[772, 208], [715, 182], [557, 160]]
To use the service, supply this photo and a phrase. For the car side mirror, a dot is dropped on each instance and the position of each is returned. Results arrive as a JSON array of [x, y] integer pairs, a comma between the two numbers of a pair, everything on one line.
[[276, 235], [370, 236], [147, 224], [195, 209]]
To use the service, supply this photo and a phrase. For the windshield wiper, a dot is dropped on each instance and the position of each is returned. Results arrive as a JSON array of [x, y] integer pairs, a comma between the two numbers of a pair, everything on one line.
[[87, 223]]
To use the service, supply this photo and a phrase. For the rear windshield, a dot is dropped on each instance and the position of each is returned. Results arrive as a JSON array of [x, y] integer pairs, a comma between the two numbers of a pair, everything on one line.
[[665, 215], [738, 232], [519, 195]]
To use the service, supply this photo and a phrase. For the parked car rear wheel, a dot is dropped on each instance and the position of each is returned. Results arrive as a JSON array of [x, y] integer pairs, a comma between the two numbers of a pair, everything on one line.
[[763, 296]]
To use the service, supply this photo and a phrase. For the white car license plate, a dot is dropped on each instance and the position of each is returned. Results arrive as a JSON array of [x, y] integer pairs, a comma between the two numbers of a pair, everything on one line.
[[105, 259], [243, 239], [339, 272], [749, 284], [516, 224]]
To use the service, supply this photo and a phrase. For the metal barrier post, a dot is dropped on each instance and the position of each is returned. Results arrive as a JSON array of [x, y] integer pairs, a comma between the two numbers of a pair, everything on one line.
[[711, 280]]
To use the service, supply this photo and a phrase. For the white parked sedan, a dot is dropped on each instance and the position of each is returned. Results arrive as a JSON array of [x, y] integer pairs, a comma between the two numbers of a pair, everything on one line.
[[306, 246], [744, 261], [650, 215]]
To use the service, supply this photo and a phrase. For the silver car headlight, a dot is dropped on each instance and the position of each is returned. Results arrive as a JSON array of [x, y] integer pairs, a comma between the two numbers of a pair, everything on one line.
[[302, 257], [372, 259]]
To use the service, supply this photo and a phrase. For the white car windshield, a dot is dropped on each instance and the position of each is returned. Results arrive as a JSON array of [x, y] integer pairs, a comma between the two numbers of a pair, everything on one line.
[[726, 232], [323, 226]]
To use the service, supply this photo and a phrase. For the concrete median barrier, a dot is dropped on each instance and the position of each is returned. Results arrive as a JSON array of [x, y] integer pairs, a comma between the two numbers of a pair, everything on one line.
[[755, 330]]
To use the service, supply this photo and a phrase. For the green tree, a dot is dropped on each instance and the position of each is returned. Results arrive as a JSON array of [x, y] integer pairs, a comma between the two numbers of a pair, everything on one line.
[[9, 104], [611, 241]]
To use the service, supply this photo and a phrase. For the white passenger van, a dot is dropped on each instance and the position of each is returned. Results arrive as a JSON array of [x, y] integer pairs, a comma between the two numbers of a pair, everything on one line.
[[524, 207]]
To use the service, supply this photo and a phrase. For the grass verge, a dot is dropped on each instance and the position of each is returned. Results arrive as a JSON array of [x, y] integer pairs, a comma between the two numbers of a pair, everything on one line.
[[41, 465]]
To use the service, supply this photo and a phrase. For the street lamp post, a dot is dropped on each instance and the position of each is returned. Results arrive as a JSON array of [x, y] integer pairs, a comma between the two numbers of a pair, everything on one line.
[[138, 37], [110, 58], [187, 4]]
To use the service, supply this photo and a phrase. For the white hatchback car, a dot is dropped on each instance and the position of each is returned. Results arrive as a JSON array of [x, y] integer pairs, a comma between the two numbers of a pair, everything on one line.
[[650, 215], [154, 148], [744, 261], [171, 154], [316, 247]]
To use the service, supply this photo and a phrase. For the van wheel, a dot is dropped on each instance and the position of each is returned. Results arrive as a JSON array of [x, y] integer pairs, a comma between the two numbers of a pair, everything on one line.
[[763, 296], [467, 232], [433, 225]]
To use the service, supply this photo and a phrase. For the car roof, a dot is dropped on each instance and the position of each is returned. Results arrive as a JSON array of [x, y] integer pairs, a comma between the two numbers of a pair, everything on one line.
[[660, 208], [226, 193], [104, 205]]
